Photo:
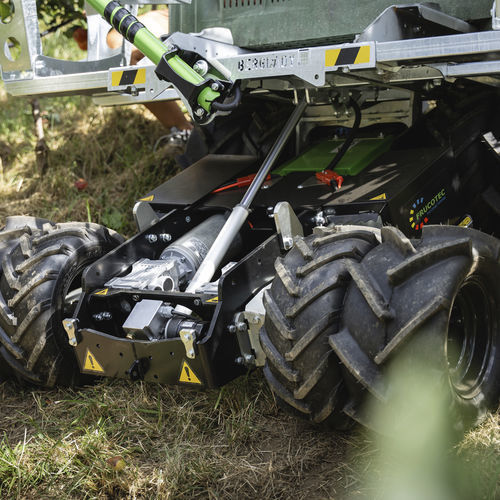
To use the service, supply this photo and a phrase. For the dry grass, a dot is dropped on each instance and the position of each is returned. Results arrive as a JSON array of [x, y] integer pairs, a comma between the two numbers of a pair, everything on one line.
[[232, 443]]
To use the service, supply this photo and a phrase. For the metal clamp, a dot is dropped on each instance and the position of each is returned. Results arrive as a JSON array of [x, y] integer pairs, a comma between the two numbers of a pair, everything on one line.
[[71, 327], [188, 337]]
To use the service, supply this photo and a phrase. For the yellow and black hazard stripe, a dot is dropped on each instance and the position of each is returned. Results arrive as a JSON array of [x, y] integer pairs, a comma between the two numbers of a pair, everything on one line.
[[128, 77], [347, 56]]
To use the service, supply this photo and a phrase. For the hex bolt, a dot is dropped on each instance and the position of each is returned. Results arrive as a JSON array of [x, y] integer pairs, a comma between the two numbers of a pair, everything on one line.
[[231, 329], [287, 242], [249, 358], [151, 238], [239, 360], [165, 237], [199, 112], [197, 302], [188, 219], [214, 86], [201, 67], [241, 326], [136, 298]]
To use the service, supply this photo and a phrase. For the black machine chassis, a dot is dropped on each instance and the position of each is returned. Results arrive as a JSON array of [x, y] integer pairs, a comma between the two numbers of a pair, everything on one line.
[[413, 178]]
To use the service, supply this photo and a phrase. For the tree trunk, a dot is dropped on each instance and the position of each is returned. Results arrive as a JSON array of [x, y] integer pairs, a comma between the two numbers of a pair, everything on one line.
[[41, 148]]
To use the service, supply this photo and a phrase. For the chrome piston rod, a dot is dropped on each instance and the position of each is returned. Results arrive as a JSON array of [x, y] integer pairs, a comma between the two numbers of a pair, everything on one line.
[[240, 212]]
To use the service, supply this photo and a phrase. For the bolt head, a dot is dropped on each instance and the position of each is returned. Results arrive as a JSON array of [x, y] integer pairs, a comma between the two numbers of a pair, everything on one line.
[[197, 302], [214, 86], [231, 329], [241, 326], [199, 112], [188, 219]]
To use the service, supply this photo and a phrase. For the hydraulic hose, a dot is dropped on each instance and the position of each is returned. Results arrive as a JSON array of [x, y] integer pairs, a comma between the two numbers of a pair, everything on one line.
[[153, 48], [352, 134], [228, 106]]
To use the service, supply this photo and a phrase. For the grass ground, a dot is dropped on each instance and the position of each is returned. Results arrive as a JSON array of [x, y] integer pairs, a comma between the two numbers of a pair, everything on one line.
[[169, 442]]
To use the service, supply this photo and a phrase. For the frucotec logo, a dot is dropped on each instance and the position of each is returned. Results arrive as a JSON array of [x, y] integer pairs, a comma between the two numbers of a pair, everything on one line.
[[420, 210]]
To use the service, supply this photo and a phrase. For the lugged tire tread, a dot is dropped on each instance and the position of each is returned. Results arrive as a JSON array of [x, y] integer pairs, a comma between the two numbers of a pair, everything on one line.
[[313, 378], [423, 258], [370, 291], [14, 233], [334, 236], [397, 239], [33, 283], [18, 367], [65, 233], [47, 252], [15, 350], [313, 295], [304, 249], [306, 353], [277, 359], [29, 318], [358, 363], [6, 314], [279, 321], [419, 318], [286, 278], [329, 406], [282, 392], [325, 322], [40, 357], [315, 264]]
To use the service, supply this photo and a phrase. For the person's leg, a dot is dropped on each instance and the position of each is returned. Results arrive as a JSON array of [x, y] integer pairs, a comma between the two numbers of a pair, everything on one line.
[[169, 114]]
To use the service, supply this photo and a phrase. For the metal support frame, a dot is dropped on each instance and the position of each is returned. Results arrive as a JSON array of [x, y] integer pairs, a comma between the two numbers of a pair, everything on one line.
[[396, 62]]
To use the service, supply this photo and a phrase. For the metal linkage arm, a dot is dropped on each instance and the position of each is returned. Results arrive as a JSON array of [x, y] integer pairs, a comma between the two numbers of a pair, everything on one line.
[[200, 94]]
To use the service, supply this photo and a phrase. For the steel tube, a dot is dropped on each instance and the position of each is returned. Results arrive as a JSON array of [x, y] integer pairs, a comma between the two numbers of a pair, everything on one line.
[[240, 212], [273, 154]]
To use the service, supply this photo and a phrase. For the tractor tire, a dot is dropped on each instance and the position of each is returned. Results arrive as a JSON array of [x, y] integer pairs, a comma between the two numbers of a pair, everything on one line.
[[15, 227], [431, 309], [39, 271], [303, 308]]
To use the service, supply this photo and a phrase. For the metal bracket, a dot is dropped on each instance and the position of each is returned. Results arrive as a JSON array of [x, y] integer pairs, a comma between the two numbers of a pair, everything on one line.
[[71, 327], [287, 224], [138, 369], [188, 337], [240, 327]]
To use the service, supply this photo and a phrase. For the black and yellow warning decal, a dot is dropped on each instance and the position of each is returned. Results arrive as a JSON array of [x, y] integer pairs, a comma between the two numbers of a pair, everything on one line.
[[213, 300], [91, 364], [187, 375], [148, 198], [348, 56], [102, 292], [122, 78], [382, 196]]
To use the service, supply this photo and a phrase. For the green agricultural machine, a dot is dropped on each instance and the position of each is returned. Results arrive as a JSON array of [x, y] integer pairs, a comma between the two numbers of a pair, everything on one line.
[[338, 213]]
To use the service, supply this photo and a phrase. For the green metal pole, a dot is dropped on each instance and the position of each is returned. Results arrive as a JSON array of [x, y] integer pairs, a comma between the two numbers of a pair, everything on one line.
[[153, 48]]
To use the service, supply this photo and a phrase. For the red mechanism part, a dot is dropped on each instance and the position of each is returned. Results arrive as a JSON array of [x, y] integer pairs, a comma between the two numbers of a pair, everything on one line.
[[330, 178], [240, 182]]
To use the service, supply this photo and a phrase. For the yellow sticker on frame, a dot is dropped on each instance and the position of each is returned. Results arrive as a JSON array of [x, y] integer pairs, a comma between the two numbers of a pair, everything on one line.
[[187, 375], [91, 364]]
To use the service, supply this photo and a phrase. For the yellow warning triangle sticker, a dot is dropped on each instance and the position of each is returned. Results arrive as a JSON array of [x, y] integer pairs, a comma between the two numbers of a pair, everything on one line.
[[148, 198], [102, 292], [380, 197], [213, 300], [187, 375], [91, 364]]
